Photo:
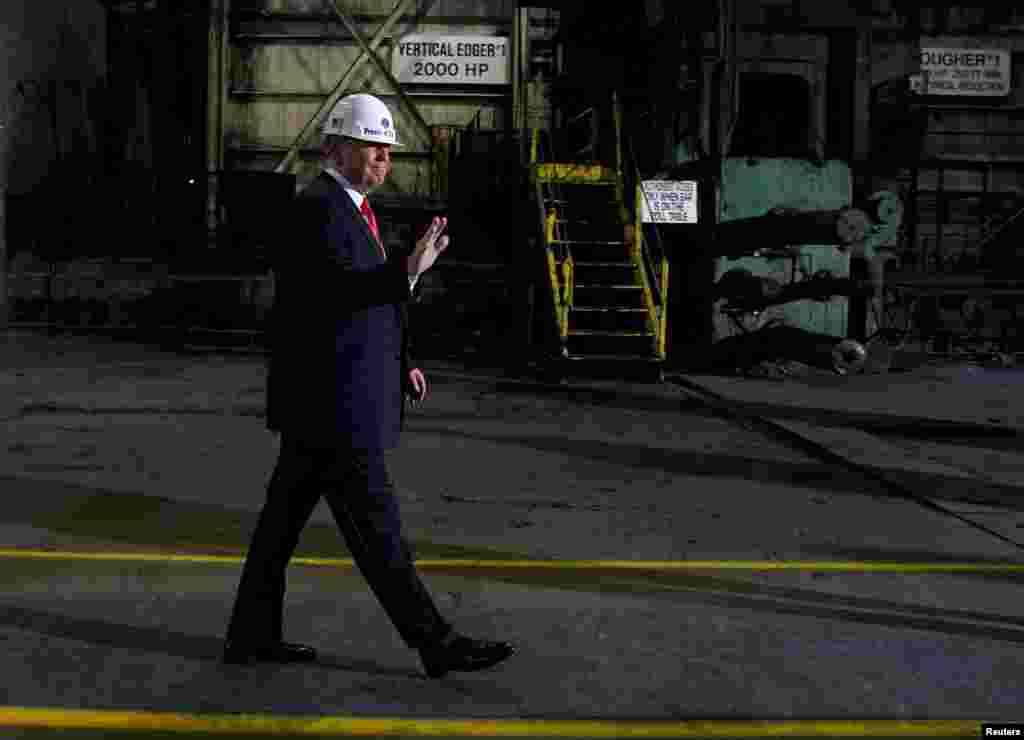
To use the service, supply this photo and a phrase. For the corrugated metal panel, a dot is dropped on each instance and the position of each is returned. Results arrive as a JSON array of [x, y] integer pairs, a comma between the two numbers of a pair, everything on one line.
[[277, 83], [423, 8], [484, 29]]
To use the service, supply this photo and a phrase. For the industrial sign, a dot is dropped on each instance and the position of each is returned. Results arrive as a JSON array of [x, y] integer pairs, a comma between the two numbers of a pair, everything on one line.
[[461, 60], [668, 202], [965, 71]]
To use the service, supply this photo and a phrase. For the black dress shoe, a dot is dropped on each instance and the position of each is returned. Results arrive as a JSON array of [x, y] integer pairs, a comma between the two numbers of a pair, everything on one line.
[[461, 653], [236, 653]]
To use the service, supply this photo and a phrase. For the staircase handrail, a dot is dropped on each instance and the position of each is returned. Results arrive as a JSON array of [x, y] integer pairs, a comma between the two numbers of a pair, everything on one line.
[[657, 279], [646, 252], [558, 294], [988, 239]]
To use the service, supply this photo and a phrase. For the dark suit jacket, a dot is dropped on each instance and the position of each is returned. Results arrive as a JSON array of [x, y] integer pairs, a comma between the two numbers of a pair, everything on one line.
[[338, 348]]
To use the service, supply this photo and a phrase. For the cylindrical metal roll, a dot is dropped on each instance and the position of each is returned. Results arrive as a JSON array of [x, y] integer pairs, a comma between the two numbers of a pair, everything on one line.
[[883, 207], [852, 225], [779, 228], [848, 357]]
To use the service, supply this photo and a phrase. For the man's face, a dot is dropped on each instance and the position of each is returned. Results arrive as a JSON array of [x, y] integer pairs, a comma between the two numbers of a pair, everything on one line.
[[365, 164]]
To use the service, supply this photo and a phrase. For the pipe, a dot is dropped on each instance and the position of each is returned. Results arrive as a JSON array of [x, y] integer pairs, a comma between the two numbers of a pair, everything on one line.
[[516, 60], [845, 226], [223, 60], [214, 120]]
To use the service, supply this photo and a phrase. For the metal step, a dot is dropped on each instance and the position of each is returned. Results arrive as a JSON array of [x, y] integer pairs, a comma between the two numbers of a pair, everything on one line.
[[606, 333], [606, 216], [588, 201], [613, 266], [595, 251], [586, 342], [587, 295], [605, 273], [608, 318], [640, 367], [614, 309], [569, 180], [598, 220], [567, 183], [590, 242], [614, 358]]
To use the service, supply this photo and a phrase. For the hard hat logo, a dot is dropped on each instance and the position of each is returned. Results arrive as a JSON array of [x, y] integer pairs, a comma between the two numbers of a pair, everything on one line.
[[363, 117]]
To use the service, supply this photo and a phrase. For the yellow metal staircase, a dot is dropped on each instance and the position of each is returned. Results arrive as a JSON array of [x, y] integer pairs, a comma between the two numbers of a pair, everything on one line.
[[609, 303]]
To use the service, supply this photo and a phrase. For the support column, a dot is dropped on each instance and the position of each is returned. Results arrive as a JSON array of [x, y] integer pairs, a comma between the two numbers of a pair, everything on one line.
[[4, 305], [6, 126], [862, 98], [216, 91]]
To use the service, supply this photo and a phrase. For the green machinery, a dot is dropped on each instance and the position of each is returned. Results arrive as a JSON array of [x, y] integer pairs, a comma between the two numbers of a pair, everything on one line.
[[788, 238]]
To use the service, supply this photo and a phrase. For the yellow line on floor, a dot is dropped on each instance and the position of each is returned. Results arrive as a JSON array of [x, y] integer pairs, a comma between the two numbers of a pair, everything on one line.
[[854, 566], [423, 727]]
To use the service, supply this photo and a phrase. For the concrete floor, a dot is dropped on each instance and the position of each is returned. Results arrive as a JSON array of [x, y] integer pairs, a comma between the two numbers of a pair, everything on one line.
[[120, 448]]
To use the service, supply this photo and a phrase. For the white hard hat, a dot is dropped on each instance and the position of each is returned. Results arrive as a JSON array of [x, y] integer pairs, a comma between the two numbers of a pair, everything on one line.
[[362, 117]]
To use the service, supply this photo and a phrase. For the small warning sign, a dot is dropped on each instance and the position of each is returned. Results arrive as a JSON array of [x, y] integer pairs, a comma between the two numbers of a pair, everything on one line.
[[668, 202]]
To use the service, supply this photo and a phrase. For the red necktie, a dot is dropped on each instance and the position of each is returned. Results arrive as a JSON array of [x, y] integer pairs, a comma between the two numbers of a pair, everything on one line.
[[371, 221]]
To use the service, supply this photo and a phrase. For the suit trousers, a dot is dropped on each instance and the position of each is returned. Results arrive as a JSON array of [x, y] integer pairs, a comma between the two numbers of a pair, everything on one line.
[[361, 496]]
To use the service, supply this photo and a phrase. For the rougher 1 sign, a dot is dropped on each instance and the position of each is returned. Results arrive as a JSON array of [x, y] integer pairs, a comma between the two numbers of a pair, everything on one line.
[[668, 202], [977, 72]]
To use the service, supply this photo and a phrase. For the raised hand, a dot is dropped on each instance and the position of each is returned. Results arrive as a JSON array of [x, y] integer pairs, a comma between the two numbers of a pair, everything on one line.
[[429, 247]]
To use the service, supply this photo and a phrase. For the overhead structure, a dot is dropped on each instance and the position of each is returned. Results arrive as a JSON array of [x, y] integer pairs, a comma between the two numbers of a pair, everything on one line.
[[369, 51], [288, 62]]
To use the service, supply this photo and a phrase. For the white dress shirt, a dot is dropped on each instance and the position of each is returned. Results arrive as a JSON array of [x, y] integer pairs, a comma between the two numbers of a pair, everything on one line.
[[358, 199]]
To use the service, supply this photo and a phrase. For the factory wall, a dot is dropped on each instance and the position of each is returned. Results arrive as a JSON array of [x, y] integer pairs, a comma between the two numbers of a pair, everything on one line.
[[52, 71]]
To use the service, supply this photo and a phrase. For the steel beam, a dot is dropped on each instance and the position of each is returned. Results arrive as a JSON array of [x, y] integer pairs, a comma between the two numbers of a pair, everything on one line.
[[216, 84], [339, 89], [372, 54], [4, 300]]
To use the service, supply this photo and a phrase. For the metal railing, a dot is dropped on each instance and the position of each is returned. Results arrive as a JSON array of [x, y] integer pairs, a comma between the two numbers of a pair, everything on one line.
[[651, 268]]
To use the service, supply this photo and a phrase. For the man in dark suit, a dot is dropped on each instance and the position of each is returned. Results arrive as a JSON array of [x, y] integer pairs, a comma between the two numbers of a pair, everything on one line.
[[335, 385]]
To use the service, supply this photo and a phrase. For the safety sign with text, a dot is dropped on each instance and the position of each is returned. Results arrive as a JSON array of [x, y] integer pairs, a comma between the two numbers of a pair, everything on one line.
[[472, 60], [965, 71], [668, 202]]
